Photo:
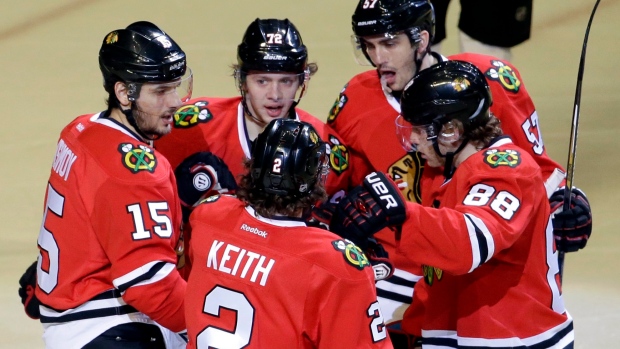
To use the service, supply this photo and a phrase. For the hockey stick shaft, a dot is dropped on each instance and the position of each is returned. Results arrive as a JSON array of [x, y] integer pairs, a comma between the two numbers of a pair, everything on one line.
[[572, 147]]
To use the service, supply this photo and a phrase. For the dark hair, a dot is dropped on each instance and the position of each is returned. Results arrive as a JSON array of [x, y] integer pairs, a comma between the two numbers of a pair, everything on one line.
[[482, 134], [269, 205]]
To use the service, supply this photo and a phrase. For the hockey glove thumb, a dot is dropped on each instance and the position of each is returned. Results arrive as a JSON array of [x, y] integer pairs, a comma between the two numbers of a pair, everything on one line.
[[199, 176], [379, 260]]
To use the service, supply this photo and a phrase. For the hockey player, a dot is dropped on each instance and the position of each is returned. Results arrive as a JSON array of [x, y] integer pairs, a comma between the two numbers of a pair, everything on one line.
[[107, 269], [262, 278], [484, 238], [272, 74], [394, 36]]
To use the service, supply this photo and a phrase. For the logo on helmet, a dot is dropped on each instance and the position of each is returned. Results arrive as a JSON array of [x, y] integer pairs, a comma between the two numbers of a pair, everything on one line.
[[460, 84], [164, 41], [178, 65], [111, 38], [272, 57], [364, 23], [137, 158]]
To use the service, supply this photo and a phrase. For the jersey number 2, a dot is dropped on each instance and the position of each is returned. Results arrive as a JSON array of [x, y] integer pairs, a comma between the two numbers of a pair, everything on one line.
[[213, 337]]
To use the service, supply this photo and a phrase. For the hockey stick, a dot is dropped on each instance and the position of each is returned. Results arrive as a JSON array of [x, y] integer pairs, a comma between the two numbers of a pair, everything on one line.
[[572, 148]]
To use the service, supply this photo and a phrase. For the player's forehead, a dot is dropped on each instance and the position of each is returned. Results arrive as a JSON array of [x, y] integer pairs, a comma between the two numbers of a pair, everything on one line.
[[254, 74], [383, 38]]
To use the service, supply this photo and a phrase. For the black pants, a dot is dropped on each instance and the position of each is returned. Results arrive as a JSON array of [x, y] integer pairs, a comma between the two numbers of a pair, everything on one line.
[[133, 335], [492, 22]]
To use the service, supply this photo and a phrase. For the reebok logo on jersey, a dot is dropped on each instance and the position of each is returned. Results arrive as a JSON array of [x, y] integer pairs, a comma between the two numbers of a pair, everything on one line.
[[253, 230]]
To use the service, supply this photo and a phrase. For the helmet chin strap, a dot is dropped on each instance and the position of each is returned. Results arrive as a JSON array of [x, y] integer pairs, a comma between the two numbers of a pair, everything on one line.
[[132, 121], [448, 168]]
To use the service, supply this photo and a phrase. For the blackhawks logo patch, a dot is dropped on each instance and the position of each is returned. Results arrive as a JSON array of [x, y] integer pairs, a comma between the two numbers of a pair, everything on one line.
[[352, 254], [338, 155], [505, 75], [430, 273], [406, 173], [137, 158], [496, 158], [192, 114], [338, 105]]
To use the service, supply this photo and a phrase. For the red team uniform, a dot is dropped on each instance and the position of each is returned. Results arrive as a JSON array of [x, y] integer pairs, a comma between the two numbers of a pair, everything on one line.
[[276, 283], [364, 115], [127, 238], [217, 125], [492, 225]]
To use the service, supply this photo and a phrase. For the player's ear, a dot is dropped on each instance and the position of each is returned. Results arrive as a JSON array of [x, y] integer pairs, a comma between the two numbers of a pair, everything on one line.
[[122, 93], [451, 132], [424, 42]]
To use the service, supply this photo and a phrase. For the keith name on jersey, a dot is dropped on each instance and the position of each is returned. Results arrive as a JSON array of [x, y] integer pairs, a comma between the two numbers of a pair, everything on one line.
[[239, 262]]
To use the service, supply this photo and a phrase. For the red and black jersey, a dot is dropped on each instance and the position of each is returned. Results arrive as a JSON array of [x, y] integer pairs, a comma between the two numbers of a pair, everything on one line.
[[364, 115], [276, 283], [488, 257], [217, 125], [111, 227]]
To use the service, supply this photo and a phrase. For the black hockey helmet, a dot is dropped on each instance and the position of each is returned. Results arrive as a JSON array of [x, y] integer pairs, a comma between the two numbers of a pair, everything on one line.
[[446, 91], [288, 158], [272, 45], [390, 17], [140, 53]]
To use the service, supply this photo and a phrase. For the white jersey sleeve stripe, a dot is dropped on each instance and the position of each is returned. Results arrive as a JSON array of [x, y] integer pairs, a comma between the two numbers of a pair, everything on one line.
[[482, 243], [144, 275]]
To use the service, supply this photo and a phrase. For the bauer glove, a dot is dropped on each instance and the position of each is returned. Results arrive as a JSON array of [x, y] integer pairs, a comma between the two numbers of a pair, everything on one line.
[[368, 208]]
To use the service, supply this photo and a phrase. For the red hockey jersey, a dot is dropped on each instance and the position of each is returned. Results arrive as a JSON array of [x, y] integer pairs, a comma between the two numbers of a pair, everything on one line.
[[276, 283], [110, 228], [217, 125], [364, 115], [490, 265]]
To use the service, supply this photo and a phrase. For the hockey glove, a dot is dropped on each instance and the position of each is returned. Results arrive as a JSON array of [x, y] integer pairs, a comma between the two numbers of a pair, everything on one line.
[[199, 176], [321, 215], [571, 228], [368, 208], [27, 284], [379, 260]]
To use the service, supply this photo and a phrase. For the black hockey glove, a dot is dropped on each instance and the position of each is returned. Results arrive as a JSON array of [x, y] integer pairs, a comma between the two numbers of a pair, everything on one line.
[[379, 260], [368, 208], [199, 176], [27, 284], [321, 215], [571, 228]]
